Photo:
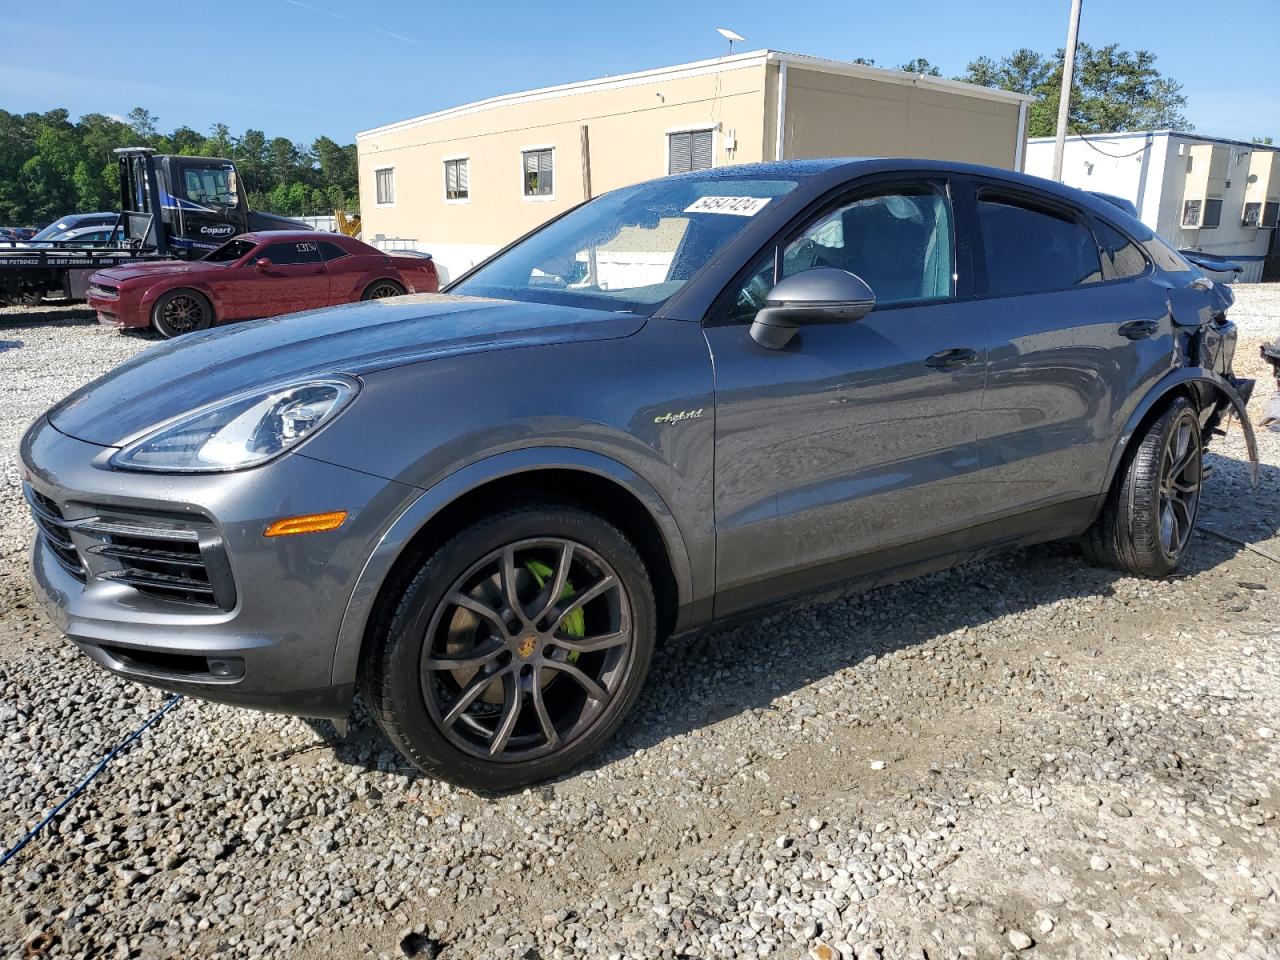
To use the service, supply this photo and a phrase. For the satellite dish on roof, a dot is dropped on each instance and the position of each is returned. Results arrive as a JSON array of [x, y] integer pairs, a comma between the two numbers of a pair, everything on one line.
[[730, 36]]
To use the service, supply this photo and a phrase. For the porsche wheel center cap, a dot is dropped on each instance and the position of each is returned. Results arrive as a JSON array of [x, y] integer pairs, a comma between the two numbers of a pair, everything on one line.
[[527, 645]]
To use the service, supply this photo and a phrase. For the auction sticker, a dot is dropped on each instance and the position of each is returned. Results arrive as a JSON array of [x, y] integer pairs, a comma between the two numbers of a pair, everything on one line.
[[737, 206]]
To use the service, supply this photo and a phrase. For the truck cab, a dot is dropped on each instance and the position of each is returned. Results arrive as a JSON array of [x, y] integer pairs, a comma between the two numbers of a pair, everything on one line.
[[202, 202]]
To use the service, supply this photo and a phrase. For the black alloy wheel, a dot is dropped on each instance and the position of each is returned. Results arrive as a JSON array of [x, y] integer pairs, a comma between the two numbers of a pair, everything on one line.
[[514, 650]]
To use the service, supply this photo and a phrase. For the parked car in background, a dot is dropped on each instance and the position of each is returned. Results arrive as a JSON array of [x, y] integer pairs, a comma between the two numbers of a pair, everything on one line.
[[252, 276], [13, 234], [680, 402], [60, 229]]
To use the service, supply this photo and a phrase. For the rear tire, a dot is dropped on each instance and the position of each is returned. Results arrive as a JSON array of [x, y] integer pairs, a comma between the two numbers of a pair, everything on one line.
[[493, 694], [1150, 512], [181, 311], [381, 289]]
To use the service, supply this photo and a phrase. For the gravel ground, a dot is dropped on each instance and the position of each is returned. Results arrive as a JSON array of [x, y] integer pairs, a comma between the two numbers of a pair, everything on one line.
[[1019, 757]]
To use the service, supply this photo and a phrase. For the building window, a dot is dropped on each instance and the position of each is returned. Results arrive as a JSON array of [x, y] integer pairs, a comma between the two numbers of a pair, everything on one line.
[[385, 180], [689, 151], [456, 182], [538, 173], [1191, 213], [1270, 214], [1212, 213]]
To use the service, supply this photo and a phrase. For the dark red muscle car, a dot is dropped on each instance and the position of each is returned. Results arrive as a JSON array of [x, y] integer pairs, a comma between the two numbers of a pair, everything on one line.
[[255, 275]]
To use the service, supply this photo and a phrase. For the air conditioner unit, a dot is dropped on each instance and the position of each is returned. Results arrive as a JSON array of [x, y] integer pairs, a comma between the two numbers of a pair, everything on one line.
[[1260, 215], [1191, 212]]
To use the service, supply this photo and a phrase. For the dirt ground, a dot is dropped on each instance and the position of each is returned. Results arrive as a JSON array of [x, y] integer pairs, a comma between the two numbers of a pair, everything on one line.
[[1022, 756]]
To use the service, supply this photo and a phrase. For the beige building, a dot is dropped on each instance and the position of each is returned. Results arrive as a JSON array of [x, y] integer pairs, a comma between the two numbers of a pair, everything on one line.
[[462, 182]]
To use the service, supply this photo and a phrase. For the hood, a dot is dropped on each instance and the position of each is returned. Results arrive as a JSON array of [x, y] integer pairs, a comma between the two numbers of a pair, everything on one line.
[[172, 378], [132, 271]]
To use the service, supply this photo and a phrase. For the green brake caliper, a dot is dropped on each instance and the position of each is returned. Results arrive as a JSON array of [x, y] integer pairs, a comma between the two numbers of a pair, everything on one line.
[[575, 624]]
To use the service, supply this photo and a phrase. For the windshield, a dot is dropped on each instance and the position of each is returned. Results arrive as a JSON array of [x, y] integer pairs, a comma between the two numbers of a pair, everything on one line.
[[229, 252], [211, 185], [52, 230], [628, 250]]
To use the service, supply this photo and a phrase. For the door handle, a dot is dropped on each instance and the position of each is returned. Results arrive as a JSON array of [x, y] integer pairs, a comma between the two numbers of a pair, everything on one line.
[[1138, 329], [951, 359]]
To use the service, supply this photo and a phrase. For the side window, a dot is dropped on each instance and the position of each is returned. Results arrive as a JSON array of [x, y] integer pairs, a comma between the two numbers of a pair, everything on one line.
[[1030, 249], [283, 254], [900, 242], [1121, 257], [331, 251], [1165, 257]]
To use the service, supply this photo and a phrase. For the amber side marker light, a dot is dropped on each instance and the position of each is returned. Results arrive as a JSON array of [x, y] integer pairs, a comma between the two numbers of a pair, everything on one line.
[[310, 523]]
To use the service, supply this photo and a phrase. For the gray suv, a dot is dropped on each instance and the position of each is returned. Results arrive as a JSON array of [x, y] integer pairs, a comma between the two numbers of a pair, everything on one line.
[[679, 402]]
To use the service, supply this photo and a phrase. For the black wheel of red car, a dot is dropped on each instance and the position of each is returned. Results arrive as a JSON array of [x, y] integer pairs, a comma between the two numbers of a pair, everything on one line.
[[181, 311], [515, 650], [1146, 523], [381, 289]]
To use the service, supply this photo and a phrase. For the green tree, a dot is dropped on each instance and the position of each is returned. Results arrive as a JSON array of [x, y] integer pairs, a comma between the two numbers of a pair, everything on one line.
[[921, 65], [1112, 89], [1263, 141]]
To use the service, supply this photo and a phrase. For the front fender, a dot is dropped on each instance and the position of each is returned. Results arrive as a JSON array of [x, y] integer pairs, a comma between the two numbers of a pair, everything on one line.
[[161, 287], [1175, 379], [405, 527]]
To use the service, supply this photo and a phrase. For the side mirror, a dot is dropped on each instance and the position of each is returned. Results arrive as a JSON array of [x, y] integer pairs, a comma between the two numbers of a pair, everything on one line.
[[819, 295], [262, 264]]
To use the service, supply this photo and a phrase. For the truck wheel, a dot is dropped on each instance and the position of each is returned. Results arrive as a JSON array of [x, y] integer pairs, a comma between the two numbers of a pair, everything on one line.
[[181, 311], [1146, 523], [380, 289], [515, 649]]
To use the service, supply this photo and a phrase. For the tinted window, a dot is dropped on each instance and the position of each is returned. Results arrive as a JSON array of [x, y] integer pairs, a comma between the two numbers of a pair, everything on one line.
[[1031, 248], [899, 242], [331, 251], [1121, 256], [1165, 257], [230, 251], [281, 254]]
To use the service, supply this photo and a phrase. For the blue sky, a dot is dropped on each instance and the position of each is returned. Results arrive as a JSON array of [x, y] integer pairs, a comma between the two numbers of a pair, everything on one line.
[[300, 68]]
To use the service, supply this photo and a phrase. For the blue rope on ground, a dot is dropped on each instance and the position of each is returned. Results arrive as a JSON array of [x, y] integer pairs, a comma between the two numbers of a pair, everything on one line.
[[102, 765]]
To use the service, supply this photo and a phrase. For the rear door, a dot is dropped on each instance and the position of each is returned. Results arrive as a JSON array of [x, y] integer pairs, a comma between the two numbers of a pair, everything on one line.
[[1075, 332], [856, 438], [295, 280]]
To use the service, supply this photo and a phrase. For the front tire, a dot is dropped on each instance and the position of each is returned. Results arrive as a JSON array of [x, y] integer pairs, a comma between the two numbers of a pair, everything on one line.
[[514, 651], [1149, 515], [181, 311]]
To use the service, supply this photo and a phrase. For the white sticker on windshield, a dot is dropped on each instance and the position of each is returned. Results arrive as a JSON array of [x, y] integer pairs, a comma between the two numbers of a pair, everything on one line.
[[737, 206]]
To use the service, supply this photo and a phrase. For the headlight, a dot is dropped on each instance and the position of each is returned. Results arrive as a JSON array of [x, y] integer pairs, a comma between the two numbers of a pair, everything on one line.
[[241, 431]]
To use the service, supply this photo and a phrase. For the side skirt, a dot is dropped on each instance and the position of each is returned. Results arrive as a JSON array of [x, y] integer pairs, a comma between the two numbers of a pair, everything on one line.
[[879, 568]]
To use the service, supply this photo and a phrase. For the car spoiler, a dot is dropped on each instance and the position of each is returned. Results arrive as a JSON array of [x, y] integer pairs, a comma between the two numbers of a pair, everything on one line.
[[1211, 261]]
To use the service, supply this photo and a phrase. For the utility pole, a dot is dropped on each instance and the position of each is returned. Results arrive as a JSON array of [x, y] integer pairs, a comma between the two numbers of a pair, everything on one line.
[[1064, 98]]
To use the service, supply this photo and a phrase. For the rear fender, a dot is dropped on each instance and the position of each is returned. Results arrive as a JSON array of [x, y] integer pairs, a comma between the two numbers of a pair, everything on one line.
[[1216, 394]]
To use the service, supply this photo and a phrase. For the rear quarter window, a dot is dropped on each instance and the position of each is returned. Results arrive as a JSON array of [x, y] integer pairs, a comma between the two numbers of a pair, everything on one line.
[[1032, 248], [1122, 257]]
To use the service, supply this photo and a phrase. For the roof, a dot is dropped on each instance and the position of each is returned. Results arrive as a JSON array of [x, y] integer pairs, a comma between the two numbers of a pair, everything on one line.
[[1131, 134], [696, 68], [260, 236]]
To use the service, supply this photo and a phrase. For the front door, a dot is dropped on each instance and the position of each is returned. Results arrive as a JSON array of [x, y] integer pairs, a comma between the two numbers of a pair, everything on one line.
[[295, 280], [855, 438]]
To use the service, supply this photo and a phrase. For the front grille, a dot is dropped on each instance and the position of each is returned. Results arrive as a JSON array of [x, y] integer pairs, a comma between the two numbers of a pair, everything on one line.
[[178, 560], [52, 528]]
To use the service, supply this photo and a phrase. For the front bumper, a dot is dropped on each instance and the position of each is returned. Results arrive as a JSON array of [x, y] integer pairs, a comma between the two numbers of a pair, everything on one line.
[[263, 634]]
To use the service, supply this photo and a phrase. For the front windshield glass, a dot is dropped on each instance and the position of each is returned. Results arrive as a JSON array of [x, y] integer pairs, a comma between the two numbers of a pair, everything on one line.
[[229, 252], [628, 250], [211, 185], [52, 230]]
